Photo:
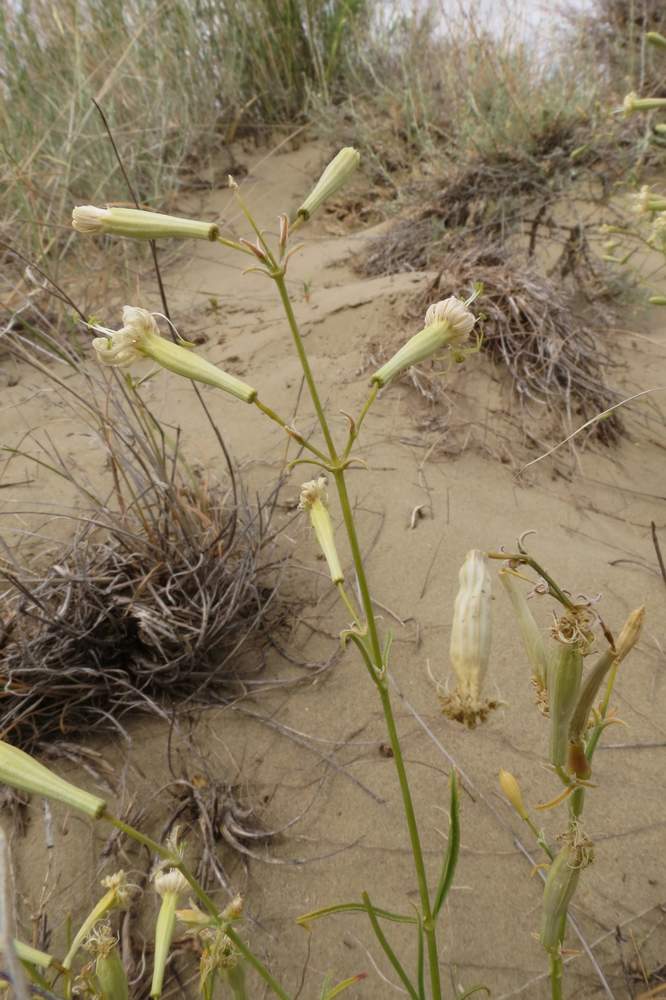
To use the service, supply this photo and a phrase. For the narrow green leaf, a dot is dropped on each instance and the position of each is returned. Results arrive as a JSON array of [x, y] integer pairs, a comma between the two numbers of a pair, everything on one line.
[[337, 990], [453, 849], [397, 918], [473, 990], [388, 950]]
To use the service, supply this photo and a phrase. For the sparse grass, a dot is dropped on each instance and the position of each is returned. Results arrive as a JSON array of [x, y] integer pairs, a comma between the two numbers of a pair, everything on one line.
[[176, 79]]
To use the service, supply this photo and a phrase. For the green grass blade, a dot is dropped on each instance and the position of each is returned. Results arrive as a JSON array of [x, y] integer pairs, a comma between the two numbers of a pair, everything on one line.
[[325, 911]]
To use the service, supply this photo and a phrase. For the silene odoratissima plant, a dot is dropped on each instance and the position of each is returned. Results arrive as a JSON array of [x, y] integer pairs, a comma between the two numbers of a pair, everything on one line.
[[567, 693]]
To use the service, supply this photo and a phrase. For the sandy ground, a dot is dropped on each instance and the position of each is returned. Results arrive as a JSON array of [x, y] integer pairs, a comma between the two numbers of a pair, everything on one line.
[[593, 533]]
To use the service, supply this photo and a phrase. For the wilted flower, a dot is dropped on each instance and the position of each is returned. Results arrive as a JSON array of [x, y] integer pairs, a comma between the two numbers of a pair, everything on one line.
[[470, 642], [447, 324], [171, 881], [337, 173], [109, 971], [133, 222], [313, 498], [454, 312], [117, 896], [140, 337]]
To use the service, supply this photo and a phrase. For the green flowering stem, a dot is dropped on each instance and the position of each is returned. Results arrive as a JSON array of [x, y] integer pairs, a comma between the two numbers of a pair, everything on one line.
[[373, 657], [428, 920], [278, 277]]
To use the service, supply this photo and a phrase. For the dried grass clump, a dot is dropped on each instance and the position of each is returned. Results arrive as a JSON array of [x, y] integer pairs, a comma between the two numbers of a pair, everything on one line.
[[168, 579], [137, 620]]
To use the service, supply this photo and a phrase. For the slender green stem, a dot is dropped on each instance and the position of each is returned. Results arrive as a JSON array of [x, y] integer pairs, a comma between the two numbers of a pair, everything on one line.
[[428, 922], [355, 429], [538, 836], [258, 966], [305, 364], [233, 245], [258, 233], [276, 418], [366, 600], [376, 663], [347, 601], [555, 976]]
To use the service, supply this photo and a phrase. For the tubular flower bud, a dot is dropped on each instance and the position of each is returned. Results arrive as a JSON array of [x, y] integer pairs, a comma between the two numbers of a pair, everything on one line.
[[563, 689], [140, 337], [529, 630], [169, 885], [32, 956], [596, 675], [558, 892], [313, 499], [654, 38], [470, 642], [336, 174], [140, 225], [447, 323], [630, 633], [193, 917], [511, 790], [20, 770], [633, 102]]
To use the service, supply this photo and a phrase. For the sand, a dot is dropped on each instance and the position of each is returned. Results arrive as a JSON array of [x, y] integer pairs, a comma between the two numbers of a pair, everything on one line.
[[592, 532]]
